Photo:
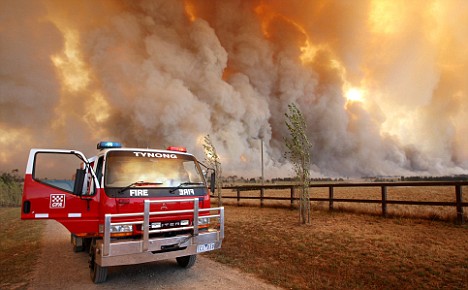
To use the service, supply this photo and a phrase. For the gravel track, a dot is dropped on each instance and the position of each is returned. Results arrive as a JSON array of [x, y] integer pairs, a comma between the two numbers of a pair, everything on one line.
[[60, 268]]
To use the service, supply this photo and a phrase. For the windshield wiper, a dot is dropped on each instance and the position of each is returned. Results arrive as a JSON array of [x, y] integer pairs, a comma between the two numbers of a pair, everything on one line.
[[184, 184], [138, 183]]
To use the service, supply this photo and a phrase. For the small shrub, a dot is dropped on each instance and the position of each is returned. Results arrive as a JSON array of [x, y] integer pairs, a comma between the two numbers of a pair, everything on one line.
[[11, 187]]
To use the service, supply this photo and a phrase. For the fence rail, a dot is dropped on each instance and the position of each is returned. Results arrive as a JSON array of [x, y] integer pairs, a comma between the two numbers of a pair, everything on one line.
[[384, 201]]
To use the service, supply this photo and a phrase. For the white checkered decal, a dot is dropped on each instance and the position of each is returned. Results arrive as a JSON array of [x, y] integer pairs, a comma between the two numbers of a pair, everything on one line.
[[57, 201]]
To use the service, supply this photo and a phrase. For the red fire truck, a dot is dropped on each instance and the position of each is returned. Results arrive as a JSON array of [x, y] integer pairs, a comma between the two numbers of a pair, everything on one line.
[[126, 205]]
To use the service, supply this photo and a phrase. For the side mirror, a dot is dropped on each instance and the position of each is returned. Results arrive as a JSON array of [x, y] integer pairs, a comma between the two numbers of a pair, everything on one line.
[[212, 182], [79, 181]]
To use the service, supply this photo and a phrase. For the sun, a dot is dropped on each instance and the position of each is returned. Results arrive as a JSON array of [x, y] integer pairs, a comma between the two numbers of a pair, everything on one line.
[[354, 95]]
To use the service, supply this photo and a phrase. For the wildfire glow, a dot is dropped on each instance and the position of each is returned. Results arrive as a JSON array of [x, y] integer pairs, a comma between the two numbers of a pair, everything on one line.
[[96, 114], [380, 76], [267, 15], [355, 95], [76, 81], [190, 10], [70, 64], [385, 16], [308, 52], [10, 138]]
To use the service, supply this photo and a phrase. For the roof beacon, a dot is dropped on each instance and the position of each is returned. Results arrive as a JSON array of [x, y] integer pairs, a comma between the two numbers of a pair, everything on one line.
[[176, 148], [108, 144]]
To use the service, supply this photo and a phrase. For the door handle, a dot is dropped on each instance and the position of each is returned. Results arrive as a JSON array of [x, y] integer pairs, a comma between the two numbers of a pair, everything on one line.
[[123, 201]]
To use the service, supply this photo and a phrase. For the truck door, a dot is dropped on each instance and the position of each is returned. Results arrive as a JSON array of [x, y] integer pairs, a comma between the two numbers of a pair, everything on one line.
[[60, 185]]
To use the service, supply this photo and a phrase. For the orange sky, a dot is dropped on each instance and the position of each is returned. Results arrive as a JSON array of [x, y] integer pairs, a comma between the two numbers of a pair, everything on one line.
[[383, 84]]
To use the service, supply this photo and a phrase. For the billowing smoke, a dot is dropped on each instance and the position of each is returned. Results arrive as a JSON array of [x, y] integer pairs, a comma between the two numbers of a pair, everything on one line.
[[383, 84]]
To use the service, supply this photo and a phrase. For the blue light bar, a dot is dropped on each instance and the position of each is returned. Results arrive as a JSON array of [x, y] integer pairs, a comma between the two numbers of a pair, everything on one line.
[[108, 144]]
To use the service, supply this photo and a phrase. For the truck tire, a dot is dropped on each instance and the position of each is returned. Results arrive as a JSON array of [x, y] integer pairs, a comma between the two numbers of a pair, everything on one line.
[[97, 273], [186, 261]]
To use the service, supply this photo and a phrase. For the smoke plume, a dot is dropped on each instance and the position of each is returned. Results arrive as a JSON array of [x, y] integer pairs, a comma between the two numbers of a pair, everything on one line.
[[382, 83]]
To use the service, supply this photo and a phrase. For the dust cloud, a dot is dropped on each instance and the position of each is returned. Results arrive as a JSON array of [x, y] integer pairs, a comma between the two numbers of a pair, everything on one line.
[[383, 84]]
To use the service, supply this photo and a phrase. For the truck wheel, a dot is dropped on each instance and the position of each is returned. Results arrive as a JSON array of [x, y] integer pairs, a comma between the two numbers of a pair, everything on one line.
[[97, 273], [186, 261]]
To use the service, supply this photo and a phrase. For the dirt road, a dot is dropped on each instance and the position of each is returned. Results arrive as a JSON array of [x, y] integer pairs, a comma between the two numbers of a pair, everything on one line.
[[60, 268]]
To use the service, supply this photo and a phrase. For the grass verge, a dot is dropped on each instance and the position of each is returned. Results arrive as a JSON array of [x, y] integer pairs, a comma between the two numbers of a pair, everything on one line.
[[19, 248], [344, 250]]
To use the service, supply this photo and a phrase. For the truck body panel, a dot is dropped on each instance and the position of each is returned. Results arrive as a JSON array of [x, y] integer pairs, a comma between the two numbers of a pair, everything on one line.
[[135, 205]]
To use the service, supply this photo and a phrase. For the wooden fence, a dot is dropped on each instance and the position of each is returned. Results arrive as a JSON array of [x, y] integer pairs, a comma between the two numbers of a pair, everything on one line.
[[384, 201]]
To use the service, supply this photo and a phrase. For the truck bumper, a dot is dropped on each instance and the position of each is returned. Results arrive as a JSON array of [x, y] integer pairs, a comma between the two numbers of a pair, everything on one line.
[[122, 252], [149, 248]]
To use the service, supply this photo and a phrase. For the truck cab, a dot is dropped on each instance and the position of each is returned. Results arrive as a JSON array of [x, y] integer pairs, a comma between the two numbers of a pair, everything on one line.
[[126, 205]]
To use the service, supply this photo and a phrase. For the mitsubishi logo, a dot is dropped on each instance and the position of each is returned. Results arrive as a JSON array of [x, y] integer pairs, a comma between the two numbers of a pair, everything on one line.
[[164, 206]]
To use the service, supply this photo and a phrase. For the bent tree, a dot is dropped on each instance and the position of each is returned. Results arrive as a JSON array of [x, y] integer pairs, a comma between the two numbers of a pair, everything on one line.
[[298, 152], [212, 159]]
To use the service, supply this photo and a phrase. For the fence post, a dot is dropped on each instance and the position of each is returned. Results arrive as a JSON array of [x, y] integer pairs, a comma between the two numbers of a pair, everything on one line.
[[460, 217], [292, 196], [262, 194], [330, 197], [238, 196], [384, 201]]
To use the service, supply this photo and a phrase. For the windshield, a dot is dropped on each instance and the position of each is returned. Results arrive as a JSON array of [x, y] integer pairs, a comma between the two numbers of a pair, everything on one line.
[[155, 169]]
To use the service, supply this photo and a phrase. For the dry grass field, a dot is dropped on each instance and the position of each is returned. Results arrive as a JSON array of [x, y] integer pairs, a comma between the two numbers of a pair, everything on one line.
[[352, 247], [423, 193], [341, 250], [19, 248]]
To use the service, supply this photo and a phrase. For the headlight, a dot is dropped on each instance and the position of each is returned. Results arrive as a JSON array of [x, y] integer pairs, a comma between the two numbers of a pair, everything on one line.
[[203, 221], [121, 229]]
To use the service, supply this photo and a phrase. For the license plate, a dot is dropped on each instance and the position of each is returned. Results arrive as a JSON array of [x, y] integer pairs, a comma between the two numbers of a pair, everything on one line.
[[164, 225], [205, 247]]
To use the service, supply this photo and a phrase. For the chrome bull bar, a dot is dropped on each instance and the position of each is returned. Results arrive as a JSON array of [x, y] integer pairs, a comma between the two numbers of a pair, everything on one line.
[[144, 242]]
